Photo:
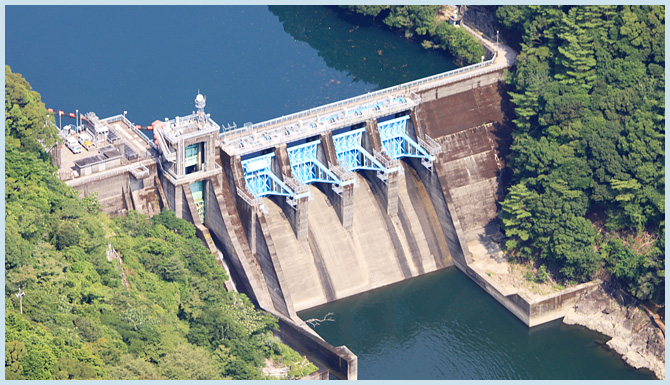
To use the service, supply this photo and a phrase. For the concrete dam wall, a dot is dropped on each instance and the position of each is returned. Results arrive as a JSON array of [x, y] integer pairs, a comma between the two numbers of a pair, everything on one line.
[[468, 121], [388, 236], [302, 243], [380, 249]]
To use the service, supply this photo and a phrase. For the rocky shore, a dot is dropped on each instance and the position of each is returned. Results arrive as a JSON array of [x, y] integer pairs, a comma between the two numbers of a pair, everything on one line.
[[604, 309], [634, 335]]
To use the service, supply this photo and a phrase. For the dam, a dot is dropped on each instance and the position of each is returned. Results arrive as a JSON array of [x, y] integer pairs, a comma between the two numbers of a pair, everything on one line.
[[325, 203], [313, 56]]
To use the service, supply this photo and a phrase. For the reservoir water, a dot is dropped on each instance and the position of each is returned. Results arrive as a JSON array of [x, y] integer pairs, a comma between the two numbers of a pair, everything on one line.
[[255, 63], [252, 63]]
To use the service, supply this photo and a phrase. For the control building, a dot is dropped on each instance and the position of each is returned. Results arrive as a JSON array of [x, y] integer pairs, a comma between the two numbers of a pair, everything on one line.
[[187, 145]]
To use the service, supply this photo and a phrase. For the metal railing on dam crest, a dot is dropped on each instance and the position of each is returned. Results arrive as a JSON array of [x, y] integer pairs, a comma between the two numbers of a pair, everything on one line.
[[347, 112]]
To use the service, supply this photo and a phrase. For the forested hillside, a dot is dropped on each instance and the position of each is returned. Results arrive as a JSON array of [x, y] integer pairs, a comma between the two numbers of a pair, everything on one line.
[[421, 21], [173, 320], [588, 153]]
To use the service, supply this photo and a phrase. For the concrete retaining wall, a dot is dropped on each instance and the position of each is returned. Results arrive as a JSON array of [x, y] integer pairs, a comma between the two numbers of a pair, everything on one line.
[[531, 312], [274, 277], [188, 210], [319, 375], [146, 200], [341, 362], [109, 189], [223, 221], [555, 306], [169, 190]]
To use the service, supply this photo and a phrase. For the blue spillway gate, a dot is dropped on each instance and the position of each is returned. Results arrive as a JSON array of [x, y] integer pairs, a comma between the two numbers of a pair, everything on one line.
[[307, 168], [397, 143], [351, 155], [260, 179]]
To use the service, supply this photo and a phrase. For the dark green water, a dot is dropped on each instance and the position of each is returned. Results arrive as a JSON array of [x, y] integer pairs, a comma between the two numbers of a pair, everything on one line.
[[443, 326], [255, 63]]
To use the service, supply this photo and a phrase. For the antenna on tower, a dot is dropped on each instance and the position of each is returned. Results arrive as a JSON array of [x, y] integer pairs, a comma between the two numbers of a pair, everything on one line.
[[200, 102]]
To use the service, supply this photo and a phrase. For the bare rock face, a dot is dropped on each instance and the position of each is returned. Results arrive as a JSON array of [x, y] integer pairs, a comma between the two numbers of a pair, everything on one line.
[[634, 335], [481, 16]]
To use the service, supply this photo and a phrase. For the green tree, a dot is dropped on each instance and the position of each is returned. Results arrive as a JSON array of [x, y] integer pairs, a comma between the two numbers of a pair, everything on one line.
[[188, 362], [79, 322], [459, 43], [367, 10], [91, 203], [588, 139], [421, 20], [576, 51], [517, 219], [639, 273], [133, 368], [25, 115], [412, 19], [14, 353]]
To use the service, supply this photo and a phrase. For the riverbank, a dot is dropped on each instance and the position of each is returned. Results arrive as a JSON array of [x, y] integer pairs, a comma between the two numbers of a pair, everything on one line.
[[633, 333]]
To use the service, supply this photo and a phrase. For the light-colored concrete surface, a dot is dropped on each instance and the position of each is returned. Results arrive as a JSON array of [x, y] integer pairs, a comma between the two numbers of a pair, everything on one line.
[[138, 144], [373, 239], [342, 261], [296, 261], [379, 250], [533, 303], [410, 202], [483, 257], [426, 213], [68, 157]]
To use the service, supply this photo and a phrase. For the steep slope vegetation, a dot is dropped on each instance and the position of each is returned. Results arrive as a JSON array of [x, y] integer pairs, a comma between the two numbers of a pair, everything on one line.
[[173, 320]]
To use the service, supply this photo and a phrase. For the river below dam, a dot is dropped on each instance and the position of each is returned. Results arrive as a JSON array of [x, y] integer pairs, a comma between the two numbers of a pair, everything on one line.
[[443, 326], [256, 63]]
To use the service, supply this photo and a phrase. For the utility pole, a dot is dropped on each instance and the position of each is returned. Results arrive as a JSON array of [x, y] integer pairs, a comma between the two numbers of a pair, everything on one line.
[[497, 41], [20, 295]]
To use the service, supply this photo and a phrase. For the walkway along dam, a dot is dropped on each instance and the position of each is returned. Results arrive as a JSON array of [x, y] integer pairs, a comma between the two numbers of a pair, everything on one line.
[[325, 203]]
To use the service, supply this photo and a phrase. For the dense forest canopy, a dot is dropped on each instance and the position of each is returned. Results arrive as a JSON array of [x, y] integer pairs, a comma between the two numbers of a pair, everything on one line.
[[175, 320], [588, 158]]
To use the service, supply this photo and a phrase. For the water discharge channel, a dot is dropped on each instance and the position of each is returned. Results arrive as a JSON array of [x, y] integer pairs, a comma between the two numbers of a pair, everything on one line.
[[257, 63]]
